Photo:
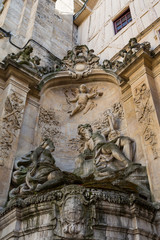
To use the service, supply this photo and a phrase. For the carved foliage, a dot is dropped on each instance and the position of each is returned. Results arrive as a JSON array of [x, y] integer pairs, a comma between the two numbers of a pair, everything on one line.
[[49, 124], [144, 112], [11, 122]]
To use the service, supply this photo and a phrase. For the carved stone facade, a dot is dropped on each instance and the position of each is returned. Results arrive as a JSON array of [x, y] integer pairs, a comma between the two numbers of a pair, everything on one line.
[[10, 123], [89, 171], [75, 212], [79, 120]]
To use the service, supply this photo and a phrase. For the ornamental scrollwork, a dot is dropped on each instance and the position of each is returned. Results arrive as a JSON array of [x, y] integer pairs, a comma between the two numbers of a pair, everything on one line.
[[80, 61], [144, 111], [10, 123]]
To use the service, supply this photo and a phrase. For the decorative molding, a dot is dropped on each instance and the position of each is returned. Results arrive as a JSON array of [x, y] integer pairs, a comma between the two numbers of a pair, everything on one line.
[[89, 194], [127, 55], [80, 61]]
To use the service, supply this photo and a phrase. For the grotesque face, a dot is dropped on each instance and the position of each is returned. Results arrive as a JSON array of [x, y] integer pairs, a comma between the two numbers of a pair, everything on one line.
[[83, 88], [85, 131]]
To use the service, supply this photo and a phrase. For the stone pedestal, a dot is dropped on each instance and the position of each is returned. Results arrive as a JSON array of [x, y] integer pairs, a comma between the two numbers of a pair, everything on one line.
[[75, 212]]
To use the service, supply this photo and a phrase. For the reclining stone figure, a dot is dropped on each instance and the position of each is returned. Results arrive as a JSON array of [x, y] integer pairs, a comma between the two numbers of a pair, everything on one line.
[[37, 171]]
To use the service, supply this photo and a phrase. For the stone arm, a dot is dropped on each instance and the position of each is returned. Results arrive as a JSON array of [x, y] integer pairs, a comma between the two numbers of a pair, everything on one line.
[[92, 95], [89, 145], [35, 156], [74, 99]]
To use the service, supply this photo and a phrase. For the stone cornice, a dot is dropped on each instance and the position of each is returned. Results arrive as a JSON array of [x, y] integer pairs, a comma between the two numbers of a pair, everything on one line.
[[95, 195], [141, 59], [12, 69], [65, 78]]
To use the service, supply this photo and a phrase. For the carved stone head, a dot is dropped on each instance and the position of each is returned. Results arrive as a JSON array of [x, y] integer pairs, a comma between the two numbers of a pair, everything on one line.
[[85, 131], [83, 88]]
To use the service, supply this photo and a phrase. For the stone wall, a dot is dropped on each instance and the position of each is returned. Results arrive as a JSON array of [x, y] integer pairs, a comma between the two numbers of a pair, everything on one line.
[[97, 30], [77, 213], [50, 27]]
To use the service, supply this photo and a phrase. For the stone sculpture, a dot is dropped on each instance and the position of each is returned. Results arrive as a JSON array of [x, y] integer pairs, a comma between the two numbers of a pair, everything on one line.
[[109, 155], [134, 46], [107, 161], [80, 61], [82, 98], [75, 215], [37, 171], [126, 55], [24, 58]]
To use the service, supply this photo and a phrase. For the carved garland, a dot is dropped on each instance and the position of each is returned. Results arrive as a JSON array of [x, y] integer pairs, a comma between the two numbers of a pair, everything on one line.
[[144, 112], [11, 122]]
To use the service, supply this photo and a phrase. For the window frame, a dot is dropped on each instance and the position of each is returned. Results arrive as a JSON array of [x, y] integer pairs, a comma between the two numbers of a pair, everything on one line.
[[124, 18]]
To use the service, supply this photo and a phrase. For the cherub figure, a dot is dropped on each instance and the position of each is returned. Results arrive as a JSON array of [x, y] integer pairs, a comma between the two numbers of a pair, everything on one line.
[[82, 98]]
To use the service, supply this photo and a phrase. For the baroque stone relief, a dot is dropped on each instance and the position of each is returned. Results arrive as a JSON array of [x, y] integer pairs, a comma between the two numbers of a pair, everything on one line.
[[80, 61], [144, 111], [10, 123], [109, 158], [37, 171], [49, 125], [112, 117], [84, 99], [106, 157], [75, 214]]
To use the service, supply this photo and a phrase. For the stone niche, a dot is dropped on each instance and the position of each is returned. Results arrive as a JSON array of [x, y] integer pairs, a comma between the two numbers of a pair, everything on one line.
[[85, 177], [61, 127]]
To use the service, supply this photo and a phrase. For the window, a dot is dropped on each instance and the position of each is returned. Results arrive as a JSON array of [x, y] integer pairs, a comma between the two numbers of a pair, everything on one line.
[[122, 21]]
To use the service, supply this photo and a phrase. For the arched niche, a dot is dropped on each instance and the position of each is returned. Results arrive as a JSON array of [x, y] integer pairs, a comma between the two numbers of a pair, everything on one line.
[[55, 121]]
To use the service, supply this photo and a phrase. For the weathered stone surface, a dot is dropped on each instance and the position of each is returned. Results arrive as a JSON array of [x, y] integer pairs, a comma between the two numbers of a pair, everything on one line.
[[75, 212]]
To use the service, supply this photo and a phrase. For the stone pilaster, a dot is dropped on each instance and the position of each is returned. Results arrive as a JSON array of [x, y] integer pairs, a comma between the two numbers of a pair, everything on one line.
[[145, 101], [12, 110]]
